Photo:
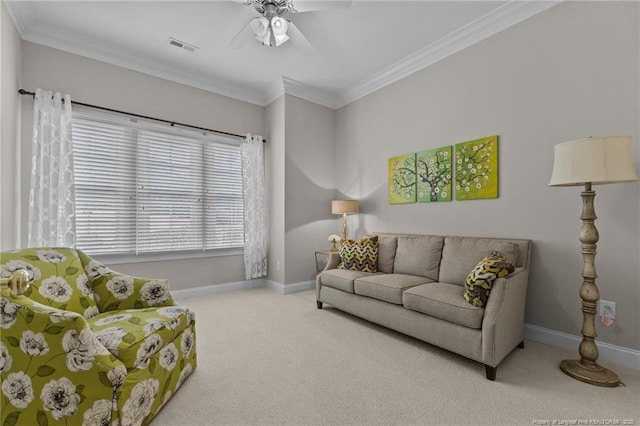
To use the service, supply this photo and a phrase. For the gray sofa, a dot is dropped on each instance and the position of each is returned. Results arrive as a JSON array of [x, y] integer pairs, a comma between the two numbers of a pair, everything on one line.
[[418, 290]]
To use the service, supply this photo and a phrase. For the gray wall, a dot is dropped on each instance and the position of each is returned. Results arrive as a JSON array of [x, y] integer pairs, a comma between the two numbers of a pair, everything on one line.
[[300, 175], [11, 75], [275, 175], [567, 73], [98, 83], [309, 185]]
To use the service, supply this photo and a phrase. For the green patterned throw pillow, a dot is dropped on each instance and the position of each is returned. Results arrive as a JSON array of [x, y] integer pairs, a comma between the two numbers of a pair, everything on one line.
[[361, 255], [479, 282]]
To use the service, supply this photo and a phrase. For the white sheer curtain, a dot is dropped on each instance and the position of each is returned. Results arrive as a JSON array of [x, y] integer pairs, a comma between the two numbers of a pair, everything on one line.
[[51, 200], [255, 207]]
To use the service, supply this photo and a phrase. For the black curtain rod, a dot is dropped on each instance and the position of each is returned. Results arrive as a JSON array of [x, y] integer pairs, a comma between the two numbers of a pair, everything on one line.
[[172, 123]]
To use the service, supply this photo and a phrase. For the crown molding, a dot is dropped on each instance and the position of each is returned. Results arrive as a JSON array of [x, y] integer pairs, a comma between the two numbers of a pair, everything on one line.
[[309, 93], [273, 92], [513, 12], [484, 27], [94, 50], [492, 23], [289, 86], [19, 16]]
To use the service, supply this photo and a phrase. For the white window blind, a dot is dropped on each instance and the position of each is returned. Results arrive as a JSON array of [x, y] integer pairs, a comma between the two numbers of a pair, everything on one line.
[[142, 188]]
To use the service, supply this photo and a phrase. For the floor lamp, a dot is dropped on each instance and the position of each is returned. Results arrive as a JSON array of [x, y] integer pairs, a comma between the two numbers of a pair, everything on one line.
[[345, 207], [591, 161]]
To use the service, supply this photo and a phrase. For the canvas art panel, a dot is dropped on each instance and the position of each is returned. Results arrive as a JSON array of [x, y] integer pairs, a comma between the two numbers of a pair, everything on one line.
[[476, 169], [434, 173], [402, 179]]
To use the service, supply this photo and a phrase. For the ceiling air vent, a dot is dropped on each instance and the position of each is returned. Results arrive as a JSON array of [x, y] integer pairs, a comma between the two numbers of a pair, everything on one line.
[[182, 45]]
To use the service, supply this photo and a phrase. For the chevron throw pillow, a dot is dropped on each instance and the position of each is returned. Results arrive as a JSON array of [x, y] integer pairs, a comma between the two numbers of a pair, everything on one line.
[[479, 282], [361, 255]]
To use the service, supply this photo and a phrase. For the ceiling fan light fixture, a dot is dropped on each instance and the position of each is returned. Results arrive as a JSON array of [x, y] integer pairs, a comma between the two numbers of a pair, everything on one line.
[[260, 26], [281, 39], [266, 38], [279, 27], [272, 29]]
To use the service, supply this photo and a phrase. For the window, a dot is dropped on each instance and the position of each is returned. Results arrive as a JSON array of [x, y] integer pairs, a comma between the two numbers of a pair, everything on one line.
[[146, 188]]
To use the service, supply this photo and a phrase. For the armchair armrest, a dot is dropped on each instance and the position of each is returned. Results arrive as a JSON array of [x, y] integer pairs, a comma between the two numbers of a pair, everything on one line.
[[115, 291], [49, 356], [18, 282]]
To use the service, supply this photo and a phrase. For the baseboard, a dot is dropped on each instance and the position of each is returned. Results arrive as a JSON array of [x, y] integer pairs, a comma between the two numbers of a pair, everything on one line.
[[619, 355], [290, 288], [190, 293]]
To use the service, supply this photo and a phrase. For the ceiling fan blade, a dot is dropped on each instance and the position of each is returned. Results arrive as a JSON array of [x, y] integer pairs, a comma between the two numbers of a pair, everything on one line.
[[243, 36], [300, 6], [299, 40]]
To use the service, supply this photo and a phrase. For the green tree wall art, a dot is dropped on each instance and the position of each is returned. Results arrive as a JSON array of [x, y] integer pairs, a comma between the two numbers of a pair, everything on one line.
[[402, 179], [476, 164], [434, 175]]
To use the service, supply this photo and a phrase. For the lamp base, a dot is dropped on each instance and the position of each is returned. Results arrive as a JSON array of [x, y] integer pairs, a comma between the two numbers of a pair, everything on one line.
[[593, 374]]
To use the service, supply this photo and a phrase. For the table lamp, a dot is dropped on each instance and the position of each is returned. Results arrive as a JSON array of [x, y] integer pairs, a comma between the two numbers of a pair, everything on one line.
[[344, 207]]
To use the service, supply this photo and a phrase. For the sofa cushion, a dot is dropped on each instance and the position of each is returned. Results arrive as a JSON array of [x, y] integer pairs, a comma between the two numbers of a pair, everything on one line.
[[361, 255], [386, 252], [56, 275], [341, 279], [461, 254], [419, 255], [387, 287], [135, 335], [444, 301], [479, 282]]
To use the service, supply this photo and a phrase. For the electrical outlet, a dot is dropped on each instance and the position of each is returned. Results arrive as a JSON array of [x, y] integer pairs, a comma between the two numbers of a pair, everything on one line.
[[277, 265], [608, 309]]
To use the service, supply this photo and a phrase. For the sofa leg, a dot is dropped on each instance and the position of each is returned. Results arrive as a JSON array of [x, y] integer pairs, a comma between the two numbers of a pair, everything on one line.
[[319, 304], [521, 345], [491, 372]]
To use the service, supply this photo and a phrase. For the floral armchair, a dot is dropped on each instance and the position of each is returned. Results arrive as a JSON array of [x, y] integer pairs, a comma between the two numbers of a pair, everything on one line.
[[86, 345]]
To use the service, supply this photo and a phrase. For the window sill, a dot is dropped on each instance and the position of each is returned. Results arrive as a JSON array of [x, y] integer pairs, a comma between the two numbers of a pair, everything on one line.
[[115, 259]]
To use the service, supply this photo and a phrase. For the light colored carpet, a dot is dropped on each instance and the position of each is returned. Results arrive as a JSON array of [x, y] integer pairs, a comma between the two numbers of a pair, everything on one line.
[[269, 359]]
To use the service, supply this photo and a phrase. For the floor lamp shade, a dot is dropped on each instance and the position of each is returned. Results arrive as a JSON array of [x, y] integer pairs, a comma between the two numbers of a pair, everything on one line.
[[587, 162], [345, 207], [593, 160]]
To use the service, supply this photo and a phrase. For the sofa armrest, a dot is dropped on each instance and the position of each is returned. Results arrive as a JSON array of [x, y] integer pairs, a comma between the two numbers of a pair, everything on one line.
[[114, 291], [45, 351], [332, 263], [503, 323]]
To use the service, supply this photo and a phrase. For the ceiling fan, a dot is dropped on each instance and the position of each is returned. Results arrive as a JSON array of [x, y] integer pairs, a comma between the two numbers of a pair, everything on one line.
[[271, 28]]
